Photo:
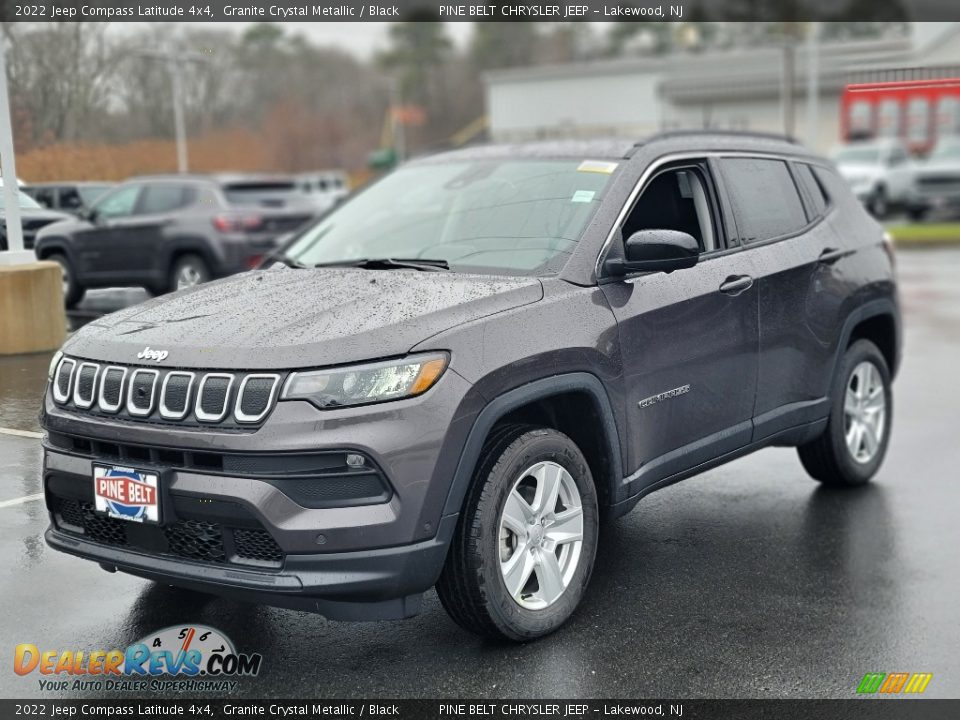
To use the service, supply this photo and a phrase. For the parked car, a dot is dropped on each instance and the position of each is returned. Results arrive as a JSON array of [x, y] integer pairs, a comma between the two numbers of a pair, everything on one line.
[[324, 189], [879, 172], [936, 184], [165, 233], [69, 197], [455, 377], [32, 219]]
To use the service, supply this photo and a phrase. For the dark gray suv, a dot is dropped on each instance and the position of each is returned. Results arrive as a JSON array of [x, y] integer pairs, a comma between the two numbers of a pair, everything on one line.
[[456, 376]]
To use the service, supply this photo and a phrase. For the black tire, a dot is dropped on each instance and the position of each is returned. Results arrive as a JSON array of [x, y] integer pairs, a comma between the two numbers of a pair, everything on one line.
[[73, 292], [471, 587], [828, 458], [878, 205], [191, 263]]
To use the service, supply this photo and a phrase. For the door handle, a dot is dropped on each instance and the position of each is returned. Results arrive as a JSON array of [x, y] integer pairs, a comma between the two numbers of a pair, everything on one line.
[[736, 284], [830, 256]]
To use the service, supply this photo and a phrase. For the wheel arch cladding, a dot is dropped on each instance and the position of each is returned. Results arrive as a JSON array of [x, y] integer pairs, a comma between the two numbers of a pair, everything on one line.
[[880, 329], [559, 399]]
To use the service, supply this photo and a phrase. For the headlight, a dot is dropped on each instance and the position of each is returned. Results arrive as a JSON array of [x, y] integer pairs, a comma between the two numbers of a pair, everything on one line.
[[363, 384], [54, 361]]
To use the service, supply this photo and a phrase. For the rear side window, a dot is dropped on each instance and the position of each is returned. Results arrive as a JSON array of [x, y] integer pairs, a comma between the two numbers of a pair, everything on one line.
[[764, 198], [45, 196], [816, 197], [163, 198]]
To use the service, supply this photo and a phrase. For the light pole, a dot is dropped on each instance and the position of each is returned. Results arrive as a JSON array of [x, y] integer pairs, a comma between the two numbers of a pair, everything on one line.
[[813, 84], [15, 254], [175, 61]]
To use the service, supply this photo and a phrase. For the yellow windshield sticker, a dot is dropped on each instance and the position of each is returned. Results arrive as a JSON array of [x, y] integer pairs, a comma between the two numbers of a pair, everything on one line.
[[597, 166]]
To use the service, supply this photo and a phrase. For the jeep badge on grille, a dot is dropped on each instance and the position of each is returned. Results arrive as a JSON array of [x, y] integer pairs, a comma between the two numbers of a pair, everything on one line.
[[148, 354]]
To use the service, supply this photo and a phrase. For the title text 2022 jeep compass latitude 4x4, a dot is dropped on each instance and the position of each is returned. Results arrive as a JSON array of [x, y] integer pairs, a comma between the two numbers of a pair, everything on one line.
[[454, 377]]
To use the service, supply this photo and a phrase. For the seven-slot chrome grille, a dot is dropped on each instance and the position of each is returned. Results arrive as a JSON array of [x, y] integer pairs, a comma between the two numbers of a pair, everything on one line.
[[158, 395]]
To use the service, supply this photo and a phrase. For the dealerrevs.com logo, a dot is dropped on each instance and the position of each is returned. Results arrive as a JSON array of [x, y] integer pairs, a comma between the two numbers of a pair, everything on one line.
[[192, 658]]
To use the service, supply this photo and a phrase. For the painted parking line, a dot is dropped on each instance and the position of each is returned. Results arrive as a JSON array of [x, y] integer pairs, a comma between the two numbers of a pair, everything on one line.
[[21, 500], [21, 433]]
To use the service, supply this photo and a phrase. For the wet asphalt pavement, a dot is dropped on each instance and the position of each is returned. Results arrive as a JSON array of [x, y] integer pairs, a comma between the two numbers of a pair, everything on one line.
[[747, 581]]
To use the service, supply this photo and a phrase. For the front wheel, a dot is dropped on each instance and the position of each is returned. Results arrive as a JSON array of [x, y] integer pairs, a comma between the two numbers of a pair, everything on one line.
[[851, 449], [73, 292], [878, 205], [525, 543], [188, 271]]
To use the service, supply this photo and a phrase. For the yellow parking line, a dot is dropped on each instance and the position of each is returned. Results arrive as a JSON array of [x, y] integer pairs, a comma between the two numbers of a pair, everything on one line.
[[21, 500], [21, 433]]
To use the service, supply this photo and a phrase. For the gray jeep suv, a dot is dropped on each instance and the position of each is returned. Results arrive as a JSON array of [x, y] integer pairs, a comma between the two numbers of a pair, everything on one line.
[[456, 376]]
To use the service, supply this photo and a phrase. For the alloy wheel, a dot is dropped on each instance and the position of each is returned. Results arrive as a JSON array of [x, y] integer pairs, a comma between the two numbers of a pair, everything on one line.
[[188, 276], [541, 535], [864, 412]]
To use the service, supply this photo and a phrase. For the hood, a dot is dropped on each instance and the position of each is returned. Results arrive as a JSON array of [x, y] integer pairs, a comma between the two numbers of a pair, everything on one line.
[[857, 171], [37, 214], [287, 319], [939, 167]]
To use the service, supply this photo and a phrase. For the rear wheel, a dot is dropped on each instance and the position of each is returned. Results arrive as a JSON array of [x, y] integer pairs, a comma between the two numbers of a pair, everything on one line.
[[525, 543], [851, 449], [878, 204], [188, 271], [73, 292]]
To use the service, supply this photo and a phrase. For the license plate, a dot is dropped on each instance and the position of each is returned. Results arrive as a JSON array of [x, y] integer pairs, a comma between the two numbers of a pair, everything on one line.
[[127, 494]]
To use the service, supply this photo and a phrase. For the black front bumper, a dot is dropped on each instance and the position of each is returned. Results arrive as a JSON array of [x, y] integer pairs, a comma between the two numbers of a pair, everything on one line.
[[381, 584]]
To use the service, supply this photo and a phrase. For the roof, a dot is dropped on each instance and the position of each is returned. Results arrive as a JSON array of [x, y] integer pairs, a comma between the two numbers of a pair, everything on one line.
[[220, 178], [579, 149], [620, 148]]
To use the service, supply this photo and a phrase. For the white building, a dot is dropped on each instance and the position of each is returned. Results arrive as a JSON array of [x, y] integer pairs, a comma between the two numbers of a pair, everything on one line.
[[735, 89]]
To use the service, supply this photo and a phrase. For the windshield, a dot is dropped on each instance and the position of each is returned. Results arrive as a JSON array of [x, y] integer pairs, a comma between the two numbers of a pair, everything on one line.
[[89, 193], [949, 150], [867, 155], [513, 216]]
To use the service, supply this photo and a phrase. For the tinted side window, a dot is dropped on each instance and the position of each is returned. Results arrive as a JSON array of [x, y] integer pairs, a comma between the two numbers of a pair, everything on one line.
[[119, 203], [70, 198], [164, 197], [44, 196], [764, 198], [815, 195]]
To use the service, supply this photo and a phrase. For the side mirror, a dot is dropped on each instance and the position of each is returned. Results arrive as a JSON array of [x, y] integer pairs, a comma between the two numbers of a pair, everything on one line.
[[88, 214], [656, 251]]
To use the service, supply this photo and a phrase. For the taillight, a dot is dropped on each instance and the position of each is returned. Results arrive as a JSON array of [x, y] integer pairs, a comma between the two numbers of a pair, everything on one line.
[[253, 261], [237, 223]]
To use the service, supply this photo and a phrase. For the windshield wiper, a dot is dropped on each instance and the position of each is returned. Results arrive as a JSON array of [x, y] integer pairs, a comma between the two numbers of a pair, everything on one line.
[[390, 264], [285, 259]]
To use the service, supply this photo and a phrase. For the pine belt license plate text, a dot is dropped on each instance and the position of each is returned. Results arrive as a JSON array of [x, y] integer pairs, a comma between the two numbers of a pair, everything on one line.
[[126, 494]]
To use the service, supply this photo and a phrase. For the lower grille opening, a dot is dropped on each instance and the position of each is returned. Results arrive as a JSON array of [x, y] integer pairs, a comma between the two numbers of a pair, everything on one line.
[[196, 539], [199, 540], [256, 545]]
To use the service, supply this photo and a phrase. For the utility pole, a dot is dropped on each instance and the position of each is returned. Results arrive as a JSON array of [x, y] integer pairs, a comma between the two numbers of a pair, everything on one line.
[[175, 60], [813, 84], [786, 87], [15, 254]]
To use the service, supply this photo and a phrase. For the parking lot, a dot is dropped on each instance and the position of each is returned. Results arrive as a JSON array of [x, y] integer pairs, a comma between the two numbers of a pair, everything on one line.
[[747, 581]]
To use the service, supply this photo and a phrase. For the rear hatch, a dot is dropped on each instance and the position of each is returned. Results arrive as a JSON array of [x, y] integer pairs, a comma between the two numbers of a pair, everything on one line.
[[262, 210]]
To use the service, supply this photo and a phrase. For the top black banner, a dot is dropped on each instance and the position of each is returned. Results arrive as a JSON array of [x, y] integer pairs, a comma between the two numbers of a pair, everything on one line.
[[458, 10]]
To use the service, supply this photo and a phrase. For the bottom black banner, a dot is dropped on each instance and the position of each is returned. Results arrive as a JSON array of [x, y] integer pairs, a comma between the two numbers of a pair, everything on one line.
[[853, 709]]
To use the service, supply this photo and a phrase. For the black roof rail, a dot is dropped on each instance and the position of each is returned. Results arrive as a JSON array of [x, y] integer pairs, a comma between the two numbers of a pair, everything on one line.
[[733, 133]]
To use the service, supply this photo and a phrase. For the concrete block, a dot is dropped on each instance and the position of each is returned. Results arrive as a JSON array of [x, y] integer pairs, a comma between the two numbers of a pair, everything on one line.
[[32, 317]]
